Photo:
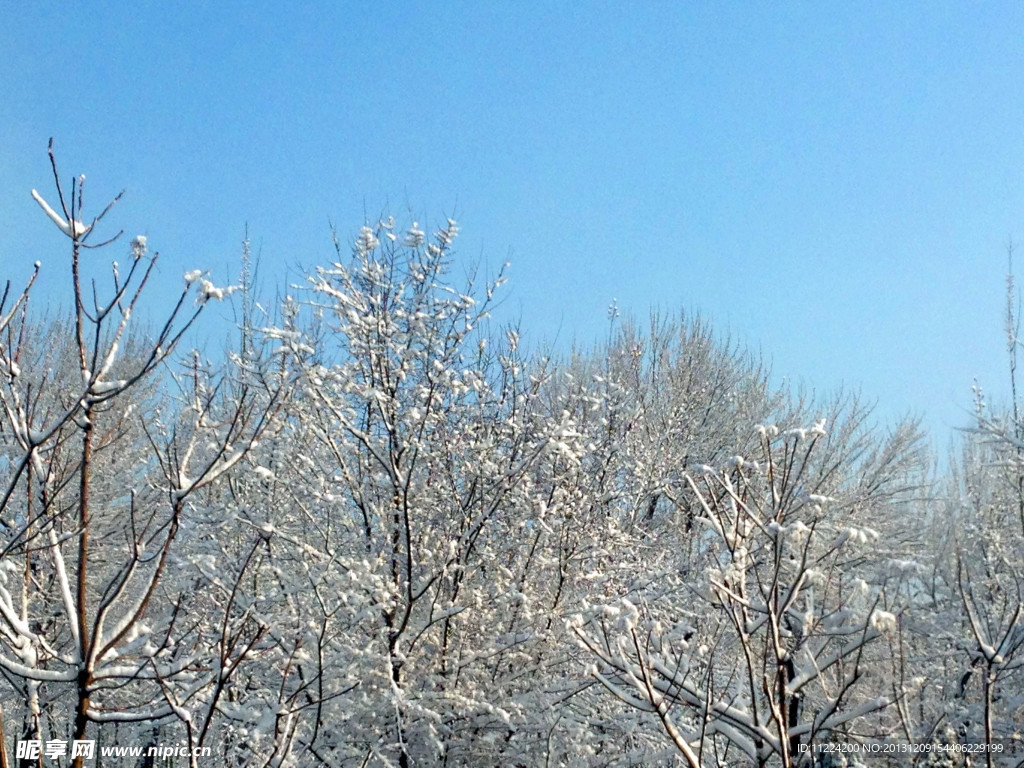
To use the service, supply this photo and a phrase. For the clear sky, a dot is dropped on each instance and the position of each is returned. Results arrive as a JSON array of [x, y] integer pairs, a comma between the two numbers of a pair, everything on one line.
[[833, 184]]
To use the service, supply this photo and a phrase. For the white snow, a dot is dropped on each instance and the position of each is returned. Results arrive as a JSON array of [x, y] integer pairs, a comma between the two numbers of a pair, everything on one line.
[[74, 230]]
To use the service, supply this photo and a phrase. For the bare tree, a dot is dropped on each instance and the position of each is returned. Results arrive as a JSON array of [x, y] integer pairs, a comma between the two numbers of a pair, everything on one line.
[[764, 648], [90, 513]]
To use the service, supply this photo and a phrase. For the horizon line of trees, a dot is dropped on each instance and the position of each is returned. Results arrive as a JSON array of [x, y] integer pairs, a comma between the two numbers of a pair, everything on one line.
[[377, 532]]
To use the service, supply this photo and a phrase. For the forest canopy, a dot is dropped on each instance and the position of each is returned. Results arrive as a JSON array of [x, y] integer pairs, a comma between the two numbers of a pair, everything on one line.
[[379, 532]]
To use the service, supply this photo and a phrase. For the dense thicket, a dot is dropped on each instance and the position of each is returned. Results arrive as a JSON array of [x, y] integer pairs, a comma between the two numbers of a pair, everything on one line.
[[380, 533]]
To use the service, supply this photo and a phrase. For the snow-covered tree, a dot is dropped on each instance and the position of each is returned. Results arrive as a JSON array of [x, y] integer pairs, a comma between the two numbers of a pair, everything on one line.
[[383, 532], [98, 483], [761, 639]]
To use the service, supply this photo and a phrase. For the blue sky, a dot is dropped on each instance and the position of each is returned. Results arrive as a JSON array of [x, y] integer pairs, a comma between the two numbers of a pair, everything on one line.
[[832, 184]]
